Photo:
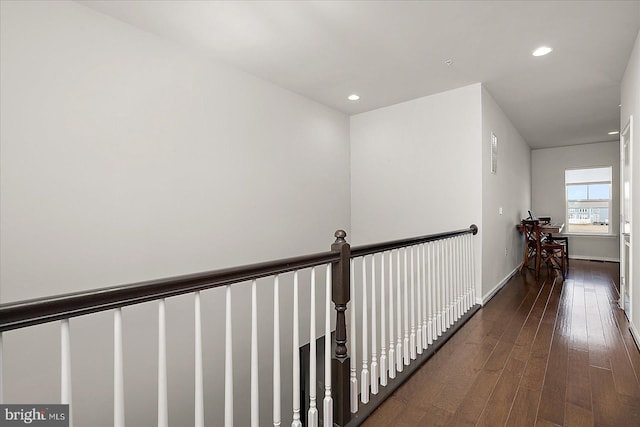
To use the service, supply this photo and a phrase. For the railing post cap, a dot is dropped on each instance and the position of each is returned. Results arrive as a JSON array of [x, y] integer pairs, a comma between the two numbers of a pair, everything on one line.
[[474, 228], [340, 235]]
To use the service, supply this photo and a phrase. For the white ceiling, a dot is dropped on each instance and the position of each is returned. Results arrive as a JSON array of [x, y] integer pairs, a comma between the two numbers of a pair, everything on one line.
[[394, 51]]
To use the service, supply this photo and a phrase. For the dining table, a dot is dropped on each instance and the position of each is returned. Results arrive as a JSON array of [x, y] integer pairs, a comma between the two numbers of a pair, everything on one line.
[[546, 228]]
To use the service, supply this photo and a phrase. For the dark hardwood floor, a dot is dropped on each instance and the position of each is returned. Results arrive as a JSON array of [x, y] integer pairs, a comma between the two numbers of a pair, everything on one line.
[[538, 354]]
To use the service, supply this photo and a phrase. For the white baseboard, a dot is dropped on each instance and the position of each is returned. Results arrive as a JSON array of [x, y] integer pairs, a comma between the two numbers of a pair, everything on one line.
[[497, 287], [594, 258], [634, 334]]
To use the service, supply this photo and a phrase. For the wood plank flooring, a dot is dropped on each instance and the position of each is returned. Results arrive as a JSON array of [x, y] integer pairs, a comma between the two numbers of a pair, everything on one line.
[[553, 353]]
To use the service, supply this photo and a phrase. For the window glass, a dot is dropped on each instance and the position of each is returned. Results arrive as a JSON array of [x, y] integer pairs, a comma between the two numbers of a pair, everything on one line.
[[577, 192], [599, 191], [588, 201]]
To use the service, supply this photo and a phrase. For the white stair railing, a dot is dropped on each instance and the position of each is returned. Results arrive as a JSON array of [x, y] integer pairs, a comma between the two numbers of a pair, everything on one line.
[[418, 290], [425, 288]]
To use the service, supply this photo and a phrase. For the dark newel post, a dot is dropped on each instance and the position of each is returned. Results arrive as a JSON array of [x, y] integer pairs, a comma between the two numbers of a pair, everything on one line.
[[340, 364]]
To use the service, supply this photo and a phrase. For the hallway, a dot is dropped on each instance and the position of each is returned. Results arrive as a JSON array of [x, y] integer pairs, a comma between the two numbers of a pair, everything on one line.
[[537, 354]]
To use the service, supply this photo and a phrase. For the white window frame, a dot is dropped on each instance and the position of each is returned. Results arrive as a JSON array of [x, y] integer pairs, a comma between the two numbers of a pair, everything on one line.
[[608, 201]]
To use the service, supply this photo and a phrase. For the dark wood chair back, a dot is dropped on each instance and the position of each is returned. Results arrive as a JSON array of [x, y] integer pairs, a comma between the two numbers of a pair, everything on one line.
[[533, 240], [542, 249]]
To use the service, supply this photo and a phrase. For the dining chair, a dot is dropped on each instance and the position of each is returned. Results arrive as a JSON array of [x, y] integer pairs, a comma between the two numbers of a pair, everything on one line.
[[565, 241], [542, 249], [532, 249], [553, 255]]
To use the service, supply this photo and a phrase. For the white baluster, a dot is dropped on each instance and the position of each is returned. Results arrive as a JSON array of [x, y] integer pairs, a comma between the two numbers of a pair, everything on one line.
[[452, 281], [399, 363], [467, 289], [199, 371], [276, 353], [405, 309], [472, 300], [419, 298], [448, 288], [312, 416], [465, 282], [455, 261], [412, 335], [383, 325], [65, 366], [163, 405], [255, 382], [1, 373], [228, 363], [118, 370], [460, 264], [425, 309], [439, 286], [364, 376], [448, 283], [296, 355], [431, 291], [392, 341], [467, 279], [456, 258], [374, 331], [353, 375], [473, 272], [328, 400], [445, 283]]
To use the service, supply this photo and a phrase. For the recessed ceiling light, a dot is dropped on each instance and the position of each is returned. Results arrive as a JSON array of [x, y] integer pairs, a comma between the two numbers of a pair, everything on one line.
[[542, 50], [353, 97], [615, 132]]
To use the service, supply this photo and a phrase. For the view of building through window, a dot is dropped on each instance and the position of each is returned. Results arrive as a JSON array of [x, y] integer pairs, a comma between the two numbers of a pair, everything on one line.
[[588, 194]]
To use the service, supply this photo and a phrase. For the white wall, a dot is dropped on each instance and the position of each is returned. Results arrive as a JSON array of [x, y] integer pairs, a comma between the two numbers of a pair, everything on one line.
[[548, 192], [415, 170], [630, 96], [125, 157], [414, 167], [412, 159], [509, 189]]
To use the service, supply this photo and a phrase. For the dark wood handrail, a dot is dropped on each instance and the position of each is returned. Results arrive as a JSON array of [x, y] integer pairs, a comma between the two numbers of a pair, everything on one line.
[[359, 251], [42, 310], [25, 313]]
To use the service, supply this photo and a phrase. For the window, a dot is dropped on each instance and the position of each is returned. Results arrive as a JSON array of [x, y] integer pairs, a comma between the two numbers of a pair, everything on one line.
[[588, 194]]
